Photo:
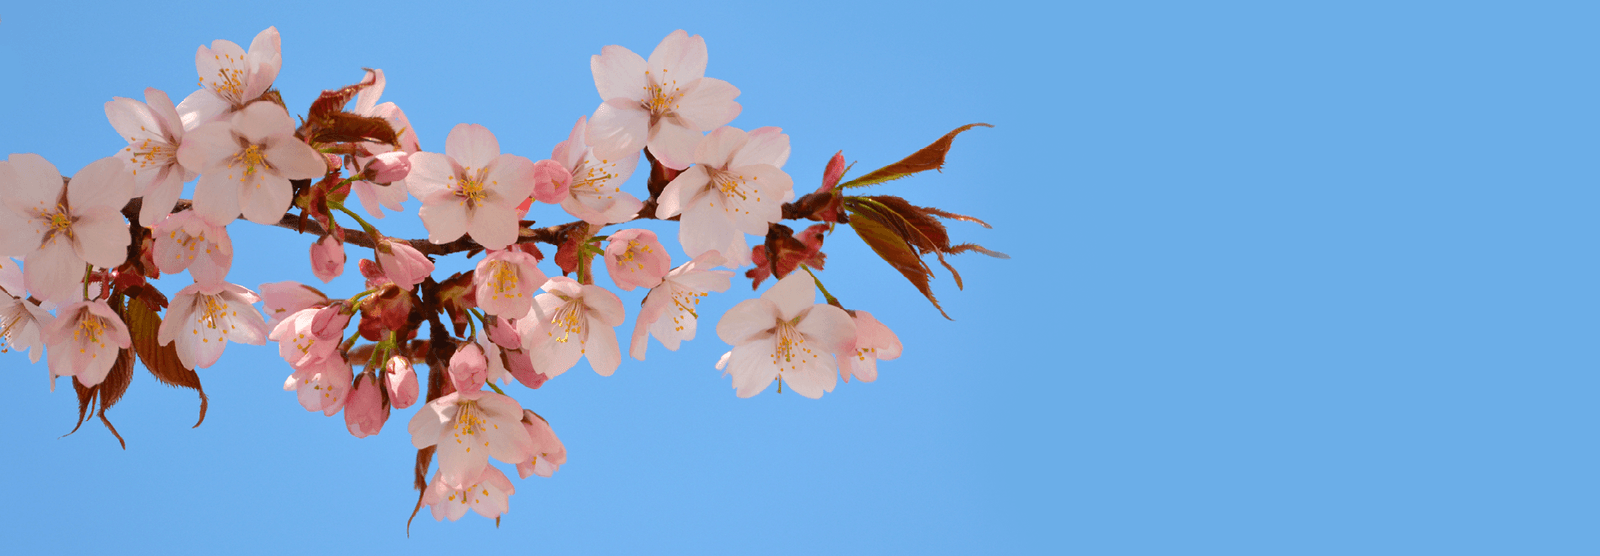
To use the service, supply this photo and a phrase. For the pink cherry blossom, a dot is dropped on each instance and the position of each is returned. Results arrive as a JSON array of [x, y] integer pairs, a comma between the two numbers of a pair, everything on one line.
[[230, 78], [736, 187], [57, 228], [549, 453], [676, 297], [873, 342], [327, 258], [569, 322], [469, 428], [472, 189], [309, 336], [83, 341], [785, 334], [154, 132], [634, 258], [402, 382], [365, 412], [664, 103], [505, 283], [469, 368], [204, 317], [246, 163], [185, 241], [282, 299], [590, 180], [488, 495], [323, 385], [403, 264], [21, 323], [380, 164]]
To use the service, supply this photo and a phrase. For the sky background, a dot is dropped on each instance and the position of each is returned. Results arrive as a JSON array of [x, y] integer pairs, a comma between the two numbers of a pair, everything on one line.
[[1285, 280]]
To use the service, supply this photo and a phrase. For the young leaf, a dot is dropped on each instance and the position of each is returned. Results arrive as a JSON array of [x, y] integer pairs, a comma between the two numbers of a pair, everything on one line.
[[115, 385], [334, 100], [930, 157], [161, 360], [887, 238]]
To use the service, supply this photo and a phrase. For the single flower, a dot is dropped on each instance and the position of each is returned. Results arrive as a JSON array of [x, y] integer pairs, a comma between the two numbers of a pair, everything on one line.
[[488, 495], [327, 258], [403, 264], [665, 103], [736, 187], [402, 382], [472, 189], [636, 259], [571, 321], [20, 325], [873, 342], [184, 241], [365, 412], [669, 311], [230, 78], [83, 341], [204, 317], [548, 452], [505, 283], [588, 181], [154, 132], [246, 163], [56, 228], [282, 299], [323, 385], [785, 334], [469, 428], [381, 164]]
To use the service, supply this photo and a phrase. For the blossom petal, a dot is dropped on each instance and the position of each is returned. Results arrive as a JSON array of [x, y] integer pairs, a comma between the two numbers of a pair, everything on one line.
[[709, 105], [673, 144], [294, 159], [54, 272], [32, 184], [493, 226], [680, 57], [446, 220], [749, 319], [763, 145], [619, 126], [751, 365], [793, 294], [472, 145], [104, 184], [618, 72], [101, 238], [602, 350], [265, 201]]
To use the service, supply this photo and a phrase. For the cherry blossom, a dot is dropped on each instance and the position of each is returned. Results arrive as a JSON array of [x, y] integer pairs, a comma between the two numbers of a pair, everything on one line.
[[327, 258], [230, 78], [572, 321], [20, 320], [402, 382], [246, 163], [676, 297], [309, 336], [589, 181], [83, 341], [365, 412], [664, 103], [57, 228], [785, 334], [403, 264], [635, 258], [472, 189], [873, 342], [549, 453], [322, 385], [469, 368], [736, 187], [379, 163], [488, 495], [214, 313], [469, 428], [505, 283], [184, 241], [154, 132]]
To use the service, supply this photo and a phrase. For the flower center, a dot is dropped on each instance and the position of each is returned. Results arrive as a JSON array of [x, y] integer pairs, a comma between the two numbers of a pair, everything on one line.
[[229, 83], [592, 180], [88, 332], [685, 301], [791, 347], [469, 424], [213, 314], [470, 186], [571, 320], [145, 153], [11, 325], [661, 99], [733, 188], [503, 279], [250, 157], [634, 250]]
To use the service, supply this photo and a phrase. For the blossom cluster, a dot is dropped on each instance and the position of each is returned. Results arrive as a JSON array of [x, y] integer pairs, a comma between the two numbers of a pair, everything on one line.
[[89, 246]]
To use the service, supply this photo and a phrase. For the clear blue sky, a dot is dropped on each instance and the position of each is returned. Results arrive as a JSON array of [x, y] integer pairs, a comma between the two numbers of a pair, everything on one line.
[[1286, 280]]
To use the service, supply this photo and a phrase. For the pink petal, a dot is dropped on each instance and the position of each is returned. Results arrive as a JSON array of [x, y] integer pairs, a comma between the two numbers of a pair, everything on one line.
[[101, 238], [619, 126], [793, 294], [709, 105], [680, 57], [472, 145], [673, 144], [764, 145], [751, 318], [618, 72]]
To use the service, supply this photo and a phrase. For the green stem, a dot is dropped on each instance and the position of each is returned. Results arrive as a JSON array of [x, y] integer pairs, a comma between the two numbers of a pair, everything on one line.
[[497, 389], [354, 301], [831, 300], [366, 226], [88, 270]]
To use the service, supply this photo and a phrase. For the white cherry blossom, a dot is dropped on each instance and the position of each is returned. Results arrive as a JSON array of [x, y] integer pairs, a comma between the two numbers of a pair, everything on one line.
[[669, 311], [246, 163], [204, 317], [230, 78], [472, 189], [154, 132], [736, 187], [785, 334], [57, 228], [665, 102]]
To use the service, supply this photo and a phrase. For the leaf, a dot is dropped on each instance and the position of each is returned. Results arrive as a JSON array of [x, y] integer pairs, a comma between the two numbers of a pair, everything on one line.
[[334, 100], [930, 157], [344, 127], [954, 216], [86, 397], [887, 238], [963, 248], [116, 384], [161, 360]]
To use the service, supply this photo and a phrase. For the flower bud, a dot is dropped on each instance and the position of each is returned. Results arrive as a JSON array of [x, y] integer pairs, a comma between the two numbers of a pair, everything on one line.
[[468, 368], [388, 167], [403, 264], [402, 382], [327, 258], [364, 410]]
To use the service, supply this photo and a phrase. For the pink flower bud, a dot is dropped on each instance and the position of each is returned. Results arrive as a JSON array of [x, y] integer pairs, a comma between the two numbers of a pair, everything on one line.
[[330, 322], [389, 167], [327, 258], [402, 382], [364, 411], [403, 264], [635, 258], [550, 181], [469, 369], [504, 334]]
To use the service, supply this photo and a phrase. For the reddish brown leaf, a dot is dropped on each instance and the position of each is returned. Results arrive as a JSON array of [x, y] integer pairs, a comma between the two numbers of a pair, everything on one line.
[[344, 127], [456, 296], [887, 238], [963, 248], [930, 157], [161, 360], [334, 100], [954, 216], [571, 253], [930, 236], [86, 397], [115, 384]]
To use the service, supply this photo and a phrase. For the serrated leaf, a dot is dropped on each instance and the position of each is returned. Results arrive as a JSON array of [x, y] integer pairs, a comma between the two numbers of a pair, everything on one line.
[[888, 240], [963, 248], [930, 157], [331, 101], [161, 360], [954, 216], [111, 390], [344, 127]]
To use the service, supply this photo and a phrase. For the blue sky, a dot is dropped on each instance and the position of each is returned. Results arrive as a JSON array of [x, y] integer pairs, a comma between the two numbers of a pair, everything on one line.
[[1286, 279]]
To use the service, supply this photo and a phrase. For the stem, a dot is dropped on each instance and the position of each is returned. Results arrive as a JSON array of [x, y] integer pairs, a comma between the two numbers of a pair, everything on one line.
[[355, 301], [368, 227], [88, 270], [497, 389], [831, 300], [474, 326]]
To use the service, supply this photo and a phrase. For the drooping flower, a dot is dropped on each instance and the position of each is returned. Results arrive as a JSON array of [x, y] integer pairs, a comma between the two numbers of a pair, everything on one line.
[[505, 283], [21, 322], [665, 103], [668, 312], [57, 228], [402, 382], [327, 258], [154, 132], [569, 322], [635, 258], [230, 78], [785, 334], [588, 181], [83, 341], [185, 241], [488, 495], [380, 164], [323, 385], [469, 428], [205, 316], [365, 413], [471, 189], [246, 163], [736, 187], [549, 453], [873, 342], [403, 264]]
